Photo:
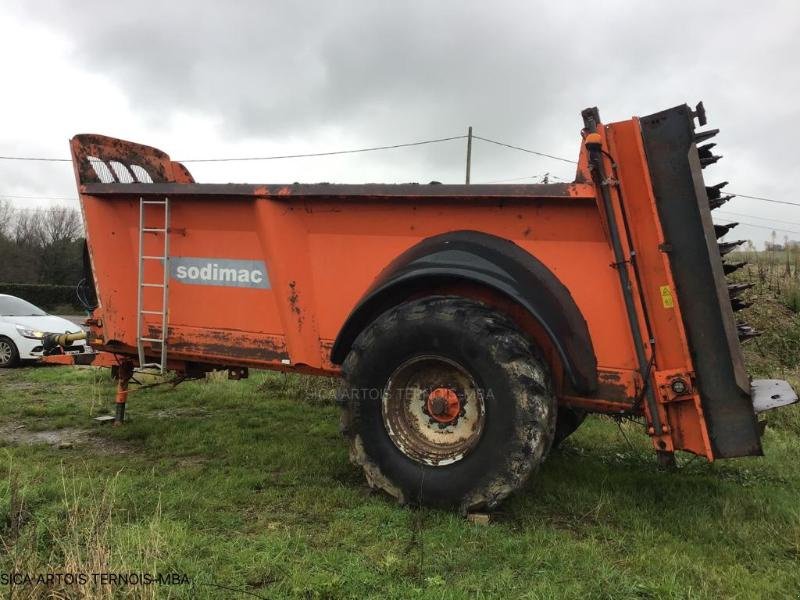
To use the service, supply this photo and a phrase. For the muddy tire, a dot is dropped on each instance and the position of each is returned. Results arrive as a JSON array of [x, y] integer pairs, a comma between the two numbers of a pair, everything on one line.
[[445, 403], [9, 355], [567, 421]]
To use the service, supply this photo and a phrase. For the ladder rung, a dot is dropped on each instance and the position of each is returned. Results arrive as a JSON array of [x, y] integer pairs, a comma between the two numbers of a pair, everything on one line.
[[154, 230], [151, 366], [151, 312], [155, 257], [159, 340], [164, 202], [152, 285]]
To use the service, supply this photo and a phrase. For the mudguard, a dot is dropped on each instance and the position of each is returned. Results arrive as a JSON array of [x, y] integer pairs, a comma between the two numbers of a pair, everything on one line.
[[493, 262]]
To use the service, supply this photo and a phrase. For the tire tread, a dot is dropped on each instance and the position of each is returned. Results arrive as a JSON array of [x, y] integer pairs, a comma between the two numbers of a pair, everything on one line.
[[528, 373]]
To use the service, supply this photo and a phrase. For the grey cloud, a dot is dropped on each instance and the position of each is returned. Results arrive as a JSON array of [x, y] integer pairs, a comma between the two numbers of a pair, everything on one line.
[[397, 71], [271, 68]]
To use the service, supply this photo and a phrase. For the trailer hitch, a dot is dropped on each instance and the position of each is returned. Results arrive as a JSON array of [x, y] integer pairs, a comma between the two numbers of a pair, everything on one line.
[[51, 341]]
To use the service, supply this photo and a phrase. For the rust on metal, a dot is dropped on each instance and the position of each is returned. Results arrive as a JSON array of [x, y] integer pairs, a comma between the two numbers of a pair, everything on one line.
[[402, 192], [433, 410], [156, 163], [124, 375], [95, 359], [221, 344], [616, 386], [294, 304]]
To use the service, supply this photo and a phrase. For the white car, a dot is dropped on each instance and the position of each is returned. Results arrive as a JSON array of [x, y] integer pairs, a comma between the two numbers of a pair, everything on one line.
[[22, 326]]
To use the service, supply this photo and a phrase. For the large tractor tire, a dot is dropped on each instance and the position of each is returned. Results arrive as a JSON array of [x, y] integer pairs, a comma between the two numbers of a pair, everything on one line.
[[445, 403]]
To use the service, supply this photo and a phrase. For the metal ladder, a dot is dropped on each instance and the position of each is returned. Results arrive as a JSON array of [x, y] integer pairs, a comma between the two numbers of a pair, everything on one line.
[[163, 284]]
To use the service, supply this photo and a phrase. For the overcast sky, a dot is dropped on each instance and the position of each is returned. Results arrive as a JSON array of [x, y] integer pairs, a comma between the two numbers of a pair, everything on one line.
[[222, 79]]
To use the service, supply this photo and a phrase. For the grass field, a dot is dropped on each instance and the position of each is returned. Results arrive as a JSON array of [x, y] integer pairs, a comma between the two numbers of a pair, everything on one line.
[[245, 487]]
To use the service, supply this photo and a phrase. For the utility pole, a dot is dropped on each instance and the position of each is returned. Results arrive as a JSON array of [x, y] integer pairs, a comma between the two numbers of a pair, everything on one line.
[[469, 151]]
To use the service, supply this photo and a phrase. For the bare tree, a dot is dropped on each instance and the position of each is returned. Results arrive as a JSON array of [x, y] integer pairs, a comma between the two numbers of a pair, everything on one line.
[[42, 228], [60, 225], [6, 216], [42, 246], [27, 229], [58, 230]]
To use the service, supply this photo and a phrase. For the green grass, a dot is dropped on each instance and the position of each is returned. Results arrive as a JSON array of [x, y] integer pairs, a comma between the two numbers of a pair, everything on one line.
[[247, 485]]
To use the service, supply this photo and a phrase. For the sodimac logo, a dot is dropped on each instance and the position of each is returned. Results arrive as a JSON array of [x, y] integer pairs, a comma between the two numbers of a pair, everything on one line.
[[220, 271]]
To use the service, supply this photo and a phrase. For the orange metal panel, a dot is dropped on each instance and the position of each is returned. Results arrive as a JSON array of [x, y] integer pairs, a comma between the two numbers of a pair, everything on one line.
[[661, 301], [322, 256]]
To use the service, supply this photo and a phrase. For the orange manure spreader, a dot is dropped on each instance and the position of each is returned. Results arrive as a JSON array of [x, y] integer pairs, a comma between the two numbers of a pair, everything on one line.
[[473, 326]]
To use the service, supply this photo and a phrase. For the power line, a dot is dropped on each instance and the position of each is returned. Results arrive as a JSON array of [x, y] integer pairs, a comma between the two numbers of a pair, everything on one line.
[[764, 227], [507, 180], [276, 157], [360, 150], [765, 199], [331, 153], [38, 197], [477, 137], [510, 180], [36, 158], [723, 213]]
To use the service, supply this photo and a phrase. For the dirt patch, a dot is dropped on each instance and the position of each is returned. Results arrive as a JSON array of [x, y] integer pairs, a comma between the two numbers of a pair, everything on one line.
[[192, 461], [19, 386], [174, 413], [63, 439]]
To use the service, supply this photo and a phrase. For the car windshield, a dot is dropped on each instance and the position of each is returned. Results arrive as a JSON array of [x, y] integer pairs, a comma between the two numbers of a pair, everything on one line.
[[17, 307]]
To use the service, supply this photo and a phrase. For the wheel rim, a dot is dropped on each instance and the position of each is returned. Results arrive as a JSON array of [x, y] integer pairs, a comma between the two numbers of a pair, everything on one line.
[[433, 411], [5, 352]]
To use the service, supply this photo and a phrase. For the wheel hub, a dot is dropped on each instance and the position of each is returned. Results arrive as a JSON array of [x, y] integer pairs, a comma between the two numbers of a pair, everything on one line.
[[5, 352], [433, 410], [443, 405]]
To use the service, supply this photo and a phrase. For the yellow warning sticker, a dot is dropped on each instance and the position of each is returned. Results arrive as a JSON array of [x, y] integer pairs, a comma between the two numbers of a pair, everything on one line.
[[666, 297]]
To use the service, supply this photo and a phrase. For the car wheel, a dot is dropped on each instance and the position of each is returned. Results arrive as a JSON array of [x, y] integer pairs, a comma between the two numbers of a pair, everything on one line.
[[9, 355], [445, 403]]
